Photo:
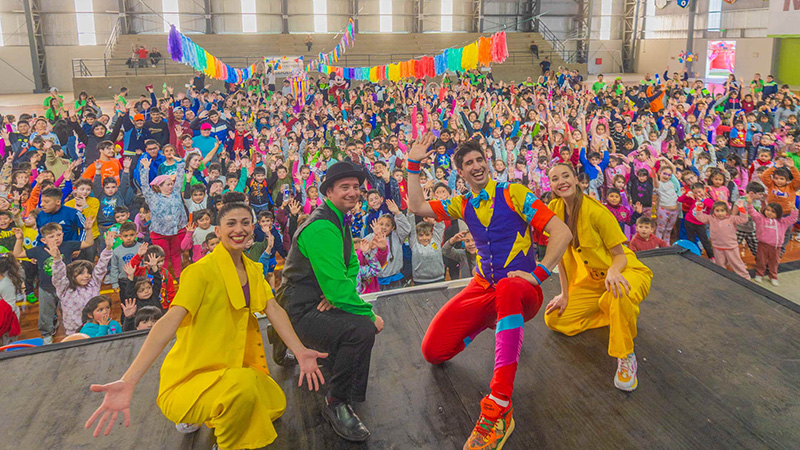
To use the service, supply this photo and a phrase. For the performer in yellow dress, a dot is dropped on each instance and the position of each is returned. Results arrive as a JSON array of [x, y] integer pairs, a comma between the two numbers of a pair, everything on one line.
[[602, 281], [216, 373]]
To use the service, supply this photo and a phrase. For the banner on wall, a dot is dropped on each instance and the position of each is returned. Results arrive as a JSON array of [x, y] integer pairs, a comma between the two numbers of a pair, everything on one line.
[[721, 59], [284, 66], [784, 17]]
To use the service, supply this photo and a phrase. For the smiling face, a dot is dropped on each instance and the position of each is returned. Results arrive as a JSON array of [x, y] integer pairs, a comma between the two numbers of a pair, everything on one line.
[[474, 170], [563, 181], [235, 229], [345, 193]]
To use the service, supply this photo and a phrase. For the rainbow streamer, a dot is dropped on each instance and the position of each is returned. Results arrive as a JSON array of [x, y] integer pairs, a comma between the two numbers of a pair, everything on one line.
[[483, 52], [183, 50]]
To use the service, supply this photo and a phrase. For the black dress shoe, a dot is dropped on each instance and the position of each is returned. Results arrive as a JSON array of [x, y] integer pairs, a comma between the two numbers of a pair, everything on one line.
[[345, 422]]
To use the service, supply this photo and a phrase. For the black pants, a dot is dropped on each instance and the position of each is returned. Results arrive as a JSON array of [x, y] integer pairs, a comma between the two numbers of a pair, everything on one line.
[[348, 339], [694, 232], [30, 276]]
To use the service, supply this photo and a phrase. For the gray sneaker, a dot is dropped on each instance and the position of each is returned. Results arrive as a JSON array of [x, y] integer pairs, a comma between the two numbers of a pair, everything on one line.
[[187, 428]]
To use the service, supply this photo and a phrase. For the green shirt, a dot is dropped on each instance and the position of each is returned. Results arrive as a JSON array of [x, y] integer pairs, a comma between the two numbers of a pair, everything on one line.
[[598, 86], [321, 242]]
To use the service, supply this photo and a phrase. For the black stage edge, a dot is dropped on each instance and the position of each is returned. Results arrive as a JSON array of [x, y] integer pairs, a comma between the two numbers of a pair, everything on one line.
[[718, 369]]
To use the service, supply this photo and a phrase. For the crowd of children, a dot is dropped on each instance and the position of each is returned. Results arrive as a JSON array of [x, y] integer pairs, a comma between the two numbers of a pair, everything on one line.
[[129, 197]]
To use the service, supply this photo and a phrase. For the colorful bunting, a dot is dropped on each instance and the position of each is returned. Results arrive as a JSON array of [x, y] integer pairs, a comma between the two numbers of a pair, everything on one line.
[[183, 50]]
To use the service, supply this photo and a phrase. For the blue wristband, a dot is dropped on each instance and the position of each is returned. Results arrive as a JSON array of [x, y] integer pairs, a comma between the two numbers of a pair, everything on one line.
[[414, 161]]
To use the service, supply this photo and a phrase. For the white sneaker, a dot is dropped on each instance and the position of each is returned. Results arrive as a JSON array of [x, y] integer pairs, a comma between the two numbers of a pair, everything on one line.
[[774, 281], [758, 279], [187, 428], [47, 340], [626, 379]]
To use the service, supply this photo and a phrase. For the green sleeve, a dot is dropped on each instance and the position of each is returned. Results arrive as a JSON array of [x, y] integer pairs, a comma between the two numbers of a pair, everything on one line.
[[321, 243], [240, 185]]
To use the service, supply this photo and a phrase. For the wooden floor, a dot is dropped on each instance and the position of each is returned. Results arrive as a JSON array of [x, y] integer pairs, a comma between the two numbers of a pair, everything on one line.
[[718, 369]]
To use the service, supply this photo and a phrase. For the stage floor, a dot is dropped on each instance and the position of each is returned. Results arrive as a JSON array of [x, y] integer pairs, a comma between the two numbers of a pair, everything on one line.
[[718, 368]]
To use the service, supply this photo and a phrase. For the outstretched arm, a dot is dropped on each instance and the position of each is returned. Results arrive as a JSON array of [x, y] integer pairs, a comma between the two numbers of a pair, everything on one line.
[[416, 199], [118, 394]]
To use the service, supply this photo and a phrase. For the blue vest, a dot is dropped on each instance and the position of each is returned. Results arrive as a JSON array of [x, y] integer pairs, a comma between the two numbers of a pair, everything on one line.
[[495, 242]]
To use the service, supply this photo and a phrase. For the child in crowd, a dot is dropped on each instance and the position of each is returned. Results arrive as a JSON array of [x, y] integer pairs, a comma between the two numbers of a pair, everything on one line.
[[77, 283], [96, 318], [149, 262], [771, 226], [371, 257], [396, 228], [466, 256], [722, 228], [11, 284], [142, 221], [122, 254], [644, 239], [695, 229], [137, 319], [52, 240], [426, 252], [196, 233]]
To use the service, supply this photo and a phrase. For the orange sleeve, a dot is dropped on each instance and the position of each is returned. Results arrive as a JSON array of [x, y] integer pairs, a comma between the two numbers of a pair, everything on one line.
[[89, 172]]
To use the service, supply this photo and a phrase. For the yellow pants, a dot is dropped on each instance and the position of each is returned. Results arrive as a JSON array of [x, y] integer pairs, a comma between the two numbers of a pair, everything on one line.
[[240, 407], [591, 306]]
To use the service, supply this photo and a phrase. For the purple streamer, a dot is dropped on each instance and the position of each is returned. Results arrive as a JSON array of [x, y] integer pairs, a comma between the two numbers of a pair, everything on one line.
[[174, 44]]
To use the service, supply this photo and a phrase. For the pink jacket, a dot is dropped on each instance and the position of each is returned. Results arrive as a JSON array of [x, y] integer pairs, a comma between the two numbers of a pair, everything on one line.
[[73, 300], [770, 231], [722, 231]]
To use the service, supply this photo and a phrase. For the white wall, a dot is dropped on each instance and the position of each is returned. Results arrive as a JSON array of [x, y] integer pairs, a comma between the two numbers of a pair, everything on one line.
[[752, 55], [20, 59], [59, 62]]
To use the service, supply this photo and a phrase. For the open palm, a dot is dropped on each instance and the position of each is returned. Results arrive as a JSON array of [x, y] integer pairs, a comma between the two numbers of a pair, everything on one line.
[[117, 399]]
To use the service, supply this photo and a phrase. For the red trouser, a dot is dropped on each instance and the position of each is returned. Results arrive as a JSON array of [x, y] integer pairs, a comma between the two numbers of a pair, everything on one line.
[[768, 258], [172, 249], [475, 309]]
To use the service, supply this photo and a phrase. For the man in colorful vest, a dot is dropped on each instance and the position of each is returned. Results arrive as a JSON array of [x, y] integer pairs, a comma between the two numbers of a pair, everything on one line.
[[505, 291]]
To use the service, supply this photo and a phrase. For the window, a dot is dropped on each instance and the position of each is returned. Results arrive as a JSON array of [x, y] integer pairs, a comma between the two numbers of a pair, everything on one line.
[[84, 18], [649, 21], [605, 20], [714, 15], [385, 12], [171, 16], [447, 16], [249, 19], [320, 16]]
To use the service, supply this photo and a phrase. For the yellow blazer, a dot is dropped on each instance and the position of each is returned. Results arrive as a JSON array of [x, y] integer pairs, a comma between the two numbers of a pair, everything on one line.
[[219, 332]]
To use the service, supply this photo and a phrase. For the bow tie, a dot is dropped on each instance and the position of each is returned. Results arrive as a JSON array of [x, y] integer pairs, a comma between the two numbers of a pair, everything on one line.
[[476, 201]]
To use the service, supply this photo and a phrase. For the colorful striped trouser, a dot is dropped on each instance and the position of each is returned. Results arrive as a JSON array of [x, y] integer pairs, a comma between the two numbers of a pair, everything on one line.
[[504, 307]]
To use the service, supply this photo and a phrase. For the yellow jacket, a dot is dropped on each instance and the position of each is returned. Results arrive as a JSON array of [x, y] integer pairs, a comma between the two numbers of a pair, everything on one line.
[[598, 232], [219, 332]]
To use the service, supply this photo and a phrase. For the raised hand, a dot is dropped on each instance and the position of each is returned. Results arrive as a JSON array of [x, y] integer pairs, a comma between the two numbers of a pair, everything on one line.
[[142, 249], [393, 208], [89, 222], [129, 270], [129, 307], [110, 237], [419, 149]]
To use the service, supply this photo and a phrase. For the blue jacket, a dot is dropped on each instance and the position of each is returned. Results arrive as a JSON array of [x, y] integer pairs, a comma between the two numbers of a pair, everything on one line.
[[95, 330], [71, 221], [153, 172]]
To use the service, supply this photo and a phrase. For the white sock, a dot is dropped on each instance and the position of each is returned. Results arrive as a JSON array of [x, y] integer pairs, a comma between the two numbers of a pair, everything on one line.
[[502, 403]]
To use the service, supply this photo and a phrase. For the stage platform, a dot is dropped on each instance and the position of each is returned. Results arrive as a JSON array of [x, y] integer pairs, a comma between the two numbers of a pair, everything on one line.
[[719, 368]]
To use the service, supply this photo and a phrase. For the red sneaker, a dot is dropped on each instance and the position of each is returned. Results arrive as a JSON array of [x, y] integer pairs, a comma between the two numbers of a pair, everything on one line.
[[493, 428]]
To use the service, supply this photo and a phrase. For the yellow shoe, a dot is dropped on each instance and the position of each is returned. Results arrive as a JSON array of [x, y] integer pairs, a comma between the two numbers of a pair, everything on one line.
[[494, 427]]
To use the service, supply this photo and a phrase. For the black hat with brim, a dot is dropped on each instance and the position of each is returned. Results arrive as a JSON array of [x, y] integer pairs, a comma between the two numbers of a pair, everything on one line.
[[340, 170]]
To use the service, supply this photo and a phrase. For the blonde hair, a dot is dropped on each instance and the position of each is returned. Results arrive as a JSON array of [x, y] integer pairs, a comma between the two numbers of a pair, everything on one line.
[[572, 214]]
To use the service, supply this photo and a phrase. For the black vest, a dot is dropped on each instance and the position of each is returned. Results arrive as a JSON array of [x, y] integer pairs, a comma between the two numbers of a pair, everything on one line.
[[300, 290]]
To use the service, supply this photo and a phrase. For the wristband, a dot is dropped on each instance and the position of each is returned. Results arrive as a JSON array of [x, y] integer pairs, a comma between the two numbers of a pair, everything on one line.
[[416, 172], [413, 161], [413, 166], [540, 273]]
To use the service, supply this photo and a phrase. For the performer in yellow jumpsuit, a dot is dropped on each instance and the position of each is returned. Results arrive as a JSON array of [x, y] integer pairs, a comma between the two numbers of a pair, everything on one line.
[[602, 281], [216, 373]]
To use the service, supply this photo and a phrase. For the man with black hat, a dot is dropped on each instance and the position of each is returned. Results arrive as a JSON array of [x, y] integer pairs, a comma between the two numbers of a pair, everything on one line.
[[318, 291]]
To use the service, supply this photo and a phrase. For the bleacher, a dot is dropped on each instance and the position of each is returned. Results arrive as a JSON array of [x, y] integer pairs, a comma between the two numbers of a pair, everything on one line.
[[241, 50]]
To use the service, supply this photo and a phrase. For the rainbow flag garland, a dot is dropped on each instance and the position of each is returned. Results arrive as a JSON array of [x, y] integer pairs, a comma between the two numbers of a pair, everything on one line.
[[184, 50], [347, 40], [483, 52]]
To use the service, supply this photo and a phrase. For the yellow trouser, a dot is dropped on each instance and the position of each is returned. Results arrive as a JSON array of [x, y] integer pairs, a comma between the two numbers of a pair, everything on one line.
[[240, 407], [591, 306]]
